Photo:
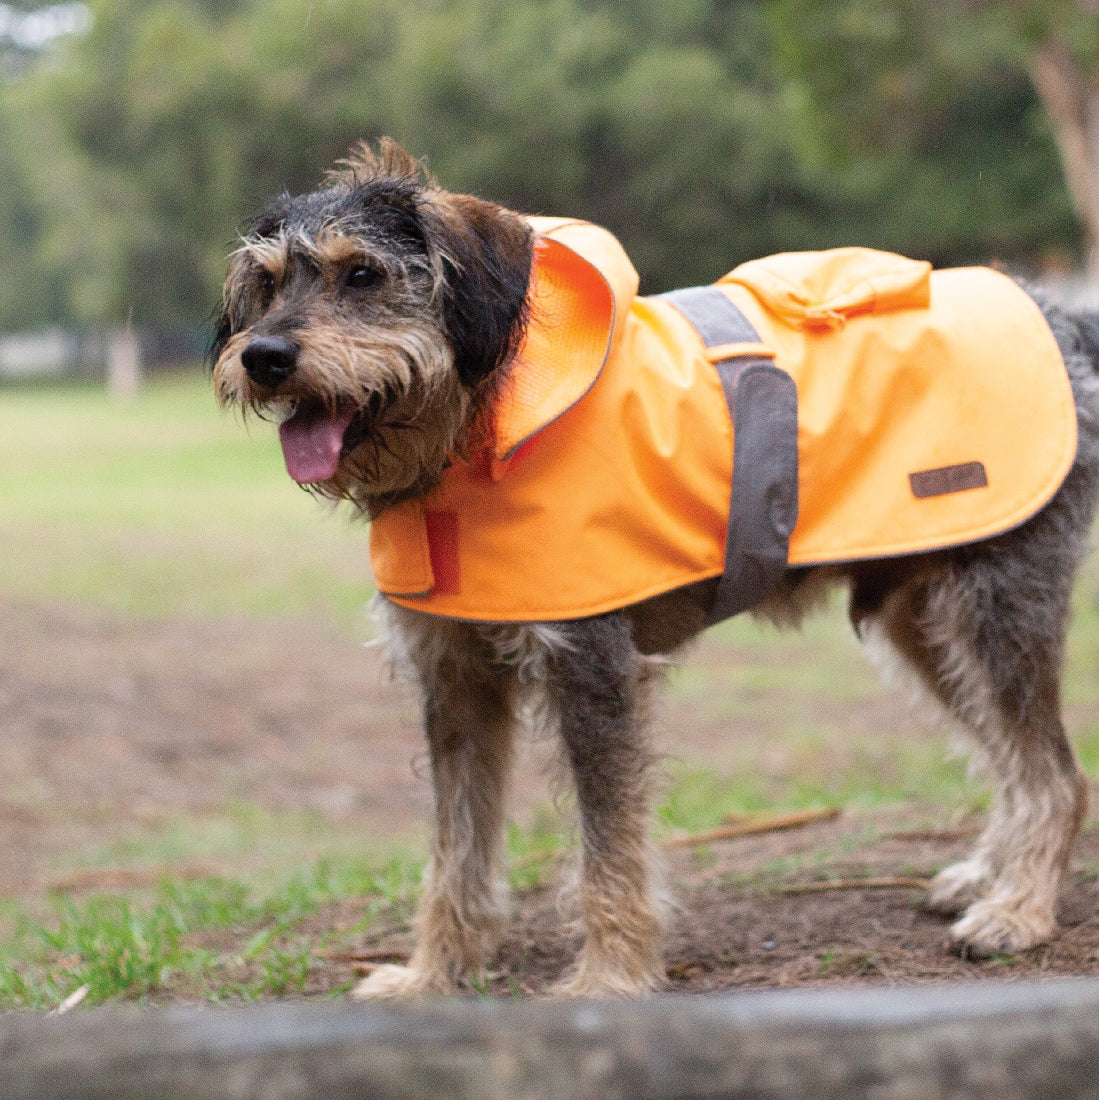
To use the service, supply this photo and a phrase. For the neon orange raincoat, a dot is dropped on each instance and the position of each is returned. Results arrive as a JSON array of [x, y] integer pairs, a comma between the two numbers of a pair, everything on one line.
[[932, 409]]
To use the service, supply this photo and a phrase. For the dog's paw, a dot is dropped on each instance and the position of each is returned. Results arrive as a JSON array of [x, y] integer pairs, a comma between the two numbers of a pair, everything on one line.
[[605, 983], [397, 981], [955, 888], [997, 926]]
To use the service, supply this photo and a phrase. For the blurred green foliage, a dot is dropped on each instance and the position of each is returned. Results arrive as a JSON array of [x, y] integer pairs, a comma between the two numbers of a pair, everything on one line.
[[702, 132]]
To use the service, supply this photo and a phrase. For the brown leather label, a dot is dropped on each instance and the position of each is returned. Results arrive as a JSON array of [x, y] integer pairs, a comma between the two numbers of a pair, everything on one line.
[[948, 479]]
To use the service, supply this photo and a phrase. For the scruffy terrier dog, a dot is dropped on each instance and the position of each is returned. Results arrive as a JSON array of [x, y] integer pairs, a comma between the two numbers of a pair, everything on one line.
[[379, 319]]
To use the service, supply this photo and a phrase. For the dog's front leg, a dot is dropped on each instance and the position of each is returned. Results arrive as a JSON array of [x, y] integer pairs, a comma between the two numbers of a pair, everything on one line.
[[599, 685], [468, 712]]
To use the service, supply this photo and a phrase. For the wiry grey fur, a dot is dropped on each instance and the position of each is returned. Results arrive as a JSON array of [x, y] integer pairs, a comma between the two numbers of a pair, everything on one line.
[[977, 632]]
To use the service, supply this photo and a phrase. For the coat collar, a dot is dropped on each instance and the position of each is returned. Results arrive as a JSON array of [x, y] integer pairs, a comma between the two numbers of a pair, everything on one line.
[[582, 287]]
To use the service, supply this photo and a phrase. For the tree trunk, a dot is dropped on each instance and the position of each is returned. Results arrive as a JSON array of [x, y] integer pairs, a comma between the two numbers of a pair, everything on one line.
[[1071, 99], [123, 364]]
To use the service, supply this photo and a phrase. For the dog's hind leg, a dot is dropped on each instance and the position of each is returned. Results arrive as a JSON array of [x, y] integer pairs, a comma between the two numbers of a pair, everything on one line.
[[599, 686], [985, 634], [469, 716]]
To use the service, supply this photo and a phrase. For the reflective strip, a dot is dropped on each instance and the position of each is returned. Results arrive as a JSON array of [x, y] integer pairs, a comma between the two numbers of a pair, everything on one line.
[[763, 407]]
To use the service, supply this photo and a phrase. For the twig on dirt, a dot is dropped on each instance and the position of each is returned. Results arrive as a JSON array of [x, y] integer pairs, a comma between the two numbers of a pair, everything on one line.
[[385, 930], [127, 878], [854, 884], [367, 955], [366, 967], [71, 1001], [768, 823], [943, 835]]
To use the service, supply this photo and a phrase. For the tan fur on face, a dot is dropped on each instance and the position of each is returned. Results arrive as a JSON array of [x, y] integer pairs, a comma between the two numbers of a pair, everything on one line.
[[414, 350], [334, 250], [346, 358], [421, 433], [420, 429]]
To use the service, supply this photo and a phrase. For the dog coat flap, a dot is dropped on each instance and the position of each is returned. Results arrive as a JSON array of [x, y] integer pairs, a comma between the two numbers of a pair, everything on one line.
[[400, 554], [582, 282], [820, 290], [919, 427], [624, 494]]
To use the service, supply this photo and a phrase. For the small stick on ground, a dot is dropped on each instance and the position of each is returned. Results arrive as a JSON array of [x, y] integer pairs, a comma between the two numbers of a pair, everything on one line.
[[769, 823], [854, 884], [368, 955], [130, 878], [70, 1002], [944, 836]]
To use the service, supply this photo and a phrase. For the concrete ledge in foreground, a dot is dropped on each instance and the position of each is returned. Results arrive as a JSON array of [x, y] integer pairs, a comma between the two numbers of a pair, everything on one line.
[[1000, 1041]]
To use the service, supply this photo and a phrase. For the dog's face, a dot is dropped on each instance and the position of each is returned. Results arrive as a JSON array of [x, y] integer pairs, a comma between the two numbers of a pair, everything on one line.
[[372, 318]]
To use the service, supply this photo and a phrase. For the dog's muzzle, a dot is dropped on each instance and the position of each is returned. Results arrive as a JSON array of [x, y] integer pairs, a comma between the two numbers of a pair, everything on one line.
[[270, 360]]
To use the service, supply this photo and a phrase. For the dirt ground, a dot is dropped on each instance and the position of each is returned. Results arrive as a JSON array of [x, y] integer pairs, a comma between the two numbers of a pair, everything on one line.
[[112, 727]]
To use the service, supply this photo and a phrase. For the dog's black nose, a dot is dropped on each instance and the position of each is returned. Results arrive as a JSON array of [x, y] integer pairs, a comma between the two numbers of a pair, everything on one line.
[[270, 360]]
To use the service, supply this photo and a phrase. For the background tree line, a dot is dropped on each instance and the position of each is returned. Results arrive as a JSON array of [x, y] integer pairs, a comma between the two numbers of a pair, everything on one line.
[[702, 132]]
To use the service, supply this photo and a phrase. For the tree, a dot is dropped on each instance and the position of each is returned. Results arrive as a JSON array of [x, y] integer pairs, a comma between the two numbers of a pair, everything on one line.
[[30, 290], [702, 132], [172, 119], [898, 81], [1063, 60]]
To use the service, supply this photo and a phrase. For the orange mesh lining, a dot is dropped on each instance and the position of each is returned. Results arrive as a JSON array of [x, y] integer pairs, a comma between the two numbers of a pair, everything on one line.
[[566, 344]]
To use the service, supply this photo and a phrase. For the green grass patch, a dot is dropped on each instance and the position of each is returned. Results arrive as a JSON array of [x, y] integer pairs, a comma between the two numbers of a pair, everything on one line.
[[700, 798], [266, 846], [214, 938], [535, 847], [221, 938]]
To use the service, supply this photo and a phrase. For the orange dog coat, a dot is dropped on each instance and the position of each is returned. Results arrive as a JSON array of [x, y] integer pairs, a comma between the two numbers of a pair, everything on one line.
[[873, 408]]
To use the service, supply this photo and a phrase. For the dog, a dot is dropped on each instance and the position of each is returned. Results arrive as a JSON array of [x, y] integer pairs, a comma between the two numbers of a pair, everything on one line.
[[379, 320]]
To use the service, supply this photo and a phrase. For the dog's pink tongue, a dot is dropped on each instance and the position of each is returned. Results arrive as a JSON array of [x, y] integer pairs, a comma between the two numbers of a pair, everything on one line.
[[312, 439]]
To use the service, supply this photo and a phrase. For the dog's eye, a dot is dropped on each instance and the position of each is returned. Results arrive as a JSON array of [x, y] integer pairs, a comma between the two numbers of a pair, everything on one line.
[[361, 277], [267, 286]]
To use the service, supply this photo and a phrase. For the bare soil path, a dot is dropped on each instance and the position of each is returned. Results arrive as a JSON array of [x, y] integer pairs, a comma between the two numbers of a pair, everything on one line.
[[112, 727]]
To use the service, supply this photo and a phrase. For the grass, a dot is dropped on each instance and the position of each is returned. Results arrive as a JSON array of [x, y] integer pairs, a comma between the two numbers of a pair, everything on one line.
[[159, 508], [213, 938], [162, 507], [167, 508]]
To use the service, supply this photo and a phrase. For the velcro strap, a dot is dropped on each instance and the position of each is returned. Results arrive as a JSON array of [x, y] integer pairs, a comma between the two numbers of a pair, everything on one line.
[[763, 407], [715, 317]]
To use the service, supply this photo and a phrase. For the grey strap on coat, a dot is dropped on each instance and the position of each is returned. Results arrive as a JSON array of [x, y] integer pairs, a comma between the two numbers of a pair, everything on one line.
[[763, 408]]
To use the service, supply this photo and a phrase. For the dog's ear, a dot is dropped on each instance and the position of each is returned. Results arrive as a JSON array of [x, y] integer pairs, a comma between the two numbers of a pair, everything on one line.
[[226, 318], [487, 253], [223, 329]]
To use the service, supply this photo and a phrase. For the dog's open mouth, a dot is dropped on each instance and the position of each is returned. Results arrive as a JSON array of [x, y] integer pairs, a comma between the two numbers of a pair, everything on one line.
[[312, 440]]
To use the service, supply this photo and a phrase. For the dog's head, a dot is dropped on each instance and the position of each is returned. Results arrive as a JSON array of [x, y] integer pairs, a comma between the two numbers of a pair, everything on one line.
[[373, 318]]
